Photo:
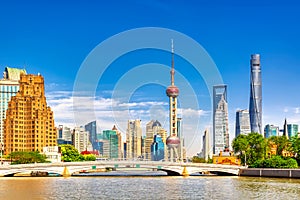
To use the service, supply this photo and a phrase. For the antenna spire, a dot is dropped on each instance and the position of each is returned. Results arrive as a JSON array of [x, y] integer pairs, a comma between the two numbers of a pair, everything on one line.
[[172, 70]]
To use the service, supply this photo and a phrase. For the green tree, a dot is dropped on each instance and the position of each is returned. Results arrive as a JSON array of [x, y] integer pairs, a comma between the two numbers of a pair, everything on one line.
[[20, 157], [196, 159], [70, 154], [251, 147], [276, 162], [295, 147], [89, 157], [281, 142]]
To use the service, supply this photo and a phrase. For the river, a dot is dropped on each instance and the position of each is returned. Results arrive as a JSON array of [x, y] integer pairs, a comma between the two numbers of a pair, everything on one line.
[[164, 187]]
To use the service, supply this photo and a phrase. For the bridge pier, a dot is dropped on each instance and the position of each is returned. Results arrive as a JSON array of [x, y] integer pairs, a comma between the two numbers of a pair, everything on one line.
[[66, 172]]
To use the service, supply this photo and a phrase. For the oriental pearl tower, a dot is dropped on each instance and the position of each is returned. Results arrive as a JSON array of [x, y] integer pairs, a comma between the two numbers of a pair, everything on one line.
[[172, 92]]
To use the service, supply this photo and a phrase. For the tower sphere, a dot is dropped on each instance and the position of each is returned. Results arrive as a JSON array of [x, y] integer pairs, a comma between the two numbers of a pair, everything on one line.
[[173, 141], [172, 91]]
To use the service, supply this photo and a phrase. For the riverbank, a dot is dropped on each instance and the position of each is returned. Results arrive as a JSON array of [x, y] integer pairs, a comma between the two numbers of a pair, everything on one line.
[[271, 172]]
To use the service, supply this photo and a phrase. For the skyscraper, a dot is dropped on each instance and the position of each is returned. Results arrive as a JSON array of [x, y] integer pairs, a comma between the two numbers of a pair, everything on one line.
[[80, 139], [157, 148], [206, 145], [242, 121], [172, 91], [292, 130], [255, 105], [271, 130], [9, 87], [134, 139], [152, 128], [220, 119], [29, 123], [92, 129]]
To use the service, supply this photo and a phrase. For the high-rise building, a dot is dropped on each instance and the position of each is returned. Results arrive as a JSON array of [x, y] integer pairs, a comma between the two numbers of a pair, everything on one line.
[[120, 142], [157, 148], [80, 139], [173, 142], [271, 130], [64, 135], [255, 106], [111, 138], [9, 86], [242, 121], [134, 139], [220, 119], [181, 148], [292, 130], [92, 129], [152, 128], [29, 123], [206, 145]]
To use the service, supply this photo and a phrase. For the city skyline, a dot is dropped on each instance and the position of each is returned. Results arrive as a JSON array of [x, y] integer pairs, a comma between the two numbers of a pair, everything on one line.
[[56, 44]]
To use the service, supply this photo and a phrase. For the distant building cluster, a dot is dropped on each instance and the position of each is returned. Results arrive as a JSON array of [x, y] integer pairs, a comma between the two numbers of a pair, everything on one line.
[[247, 120]]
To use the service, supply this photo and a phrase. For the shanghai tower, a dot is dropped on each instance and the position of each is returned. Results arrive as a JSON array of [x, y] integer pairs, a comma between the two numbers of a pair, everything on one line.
[[255, 106]]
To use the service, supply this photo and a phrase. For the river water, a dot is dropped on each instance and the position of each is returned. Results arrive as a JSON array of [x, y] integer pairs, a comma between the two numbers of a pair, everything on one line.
[[164, 187]]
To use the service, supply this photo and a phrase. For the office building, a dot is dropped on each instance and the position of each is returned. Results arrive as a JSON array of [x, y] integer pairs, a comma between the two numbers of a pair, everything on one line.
[[92, 129], [29, 123], [206, 151], [157, 149], [292, 130], [120, 142], [271, 130], [220, 119], [9, 86], [64, 135], [242, 121], [81, 139], [255, 106], [134, 139], [152, 128]]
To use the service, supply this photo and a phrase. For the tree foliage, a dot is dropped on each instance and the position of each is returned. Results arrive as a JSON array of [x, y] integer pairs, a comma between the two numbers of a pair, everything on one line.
[[250, 147], [89, 157], [276, 162], [70, 154], [23, 157], [281, 142], [197, 159]]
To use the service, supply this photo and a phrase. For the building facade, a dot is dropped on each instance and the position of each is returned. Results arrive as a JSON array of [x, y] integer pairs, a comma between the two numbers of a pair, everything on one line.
[[29, 123], [64, 135], [9, 86], [292, 130], [220, 119], [134, 139], [255, 105], [206, 151], [271, 130], [92, 129], [242, 121], [157, 149], [81, 139], [112, 144], [152, 128]]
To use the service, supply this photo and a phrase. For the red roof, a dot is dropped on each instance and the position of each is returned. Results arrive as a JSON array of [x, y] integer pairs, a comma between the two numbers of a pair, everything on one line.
[[90, 152]]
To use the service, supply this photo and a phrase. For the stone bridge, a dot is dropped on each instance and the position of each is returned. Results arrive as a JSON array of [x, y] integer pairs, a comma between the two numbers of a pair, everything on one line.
[[171, 168]]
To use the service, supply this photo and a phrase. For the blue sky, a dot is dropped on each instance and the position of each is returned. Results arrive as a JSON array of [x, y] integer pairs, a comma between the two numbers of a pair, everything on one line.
[[54, 38]]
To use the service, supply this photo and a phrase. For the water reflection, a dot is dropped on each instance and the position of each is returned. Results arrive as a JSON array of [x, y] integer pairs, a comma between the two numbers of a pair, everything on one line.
[[197, 187]]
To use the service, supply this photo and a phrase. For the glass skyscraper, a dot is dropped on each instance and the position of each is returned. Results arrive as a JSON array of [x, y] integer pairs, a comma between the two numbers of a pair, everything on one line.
[[157, 148], [255, 105], [292, 130], [271, 130], [220, 119], [92, 129], [242, 125]]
